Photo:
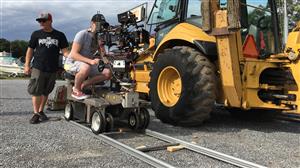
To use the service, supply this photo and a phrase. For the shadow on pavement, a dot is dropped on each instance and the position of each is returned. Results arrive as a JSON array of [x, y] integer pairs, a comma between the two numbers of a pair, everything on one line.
[[221, 121], [24, 113]]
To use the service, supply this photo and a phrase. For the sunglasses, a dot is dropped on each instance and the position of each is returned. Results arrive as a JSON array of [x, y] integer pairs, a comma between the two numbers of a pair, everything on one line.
[[42, 21]]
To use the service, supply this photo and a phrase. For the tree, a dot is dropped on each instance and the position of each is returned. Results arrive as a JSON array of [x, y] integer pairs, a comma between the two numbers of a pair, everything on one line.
[[293, 13], [256, 14], [4, 45], [19, 48]]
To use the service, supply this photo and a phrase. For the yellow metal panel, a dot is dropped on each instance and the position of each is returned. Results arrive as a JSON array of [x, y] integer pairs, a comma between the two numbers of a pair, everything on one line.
[[142, 78], [141, 75], [293, 42], [142, 87], [186, 32], [228, 50], [251, 74], [252, 71]]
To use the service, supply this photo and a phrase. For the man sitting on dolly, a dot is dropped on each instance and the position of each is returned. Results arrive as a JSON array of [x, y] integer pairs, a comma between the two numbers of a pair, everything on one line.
[[81, 61]]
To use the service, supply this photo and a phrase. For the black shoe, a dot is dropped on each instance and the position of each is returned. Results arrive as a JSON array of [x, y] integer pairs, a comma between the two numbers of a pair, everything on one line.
[[35, 119], [87, 91], [43, 116]]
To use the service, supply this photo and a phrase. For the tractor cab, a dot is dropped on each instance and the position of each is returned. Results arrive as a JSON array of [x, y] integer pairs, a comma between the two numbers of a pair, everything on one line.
[[258, 21]]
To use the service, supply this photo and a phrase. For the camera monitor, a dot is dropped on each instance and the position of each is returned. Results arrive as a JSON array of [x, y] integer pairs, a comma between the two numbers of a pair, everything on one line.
[[140, 12], [137, 14]]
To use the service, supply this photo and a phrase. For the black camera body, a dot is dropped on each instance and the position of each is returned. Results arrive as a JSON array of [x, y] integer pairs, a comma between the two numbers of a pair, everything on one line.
[[126, 40], [127, 18], [127, 36]]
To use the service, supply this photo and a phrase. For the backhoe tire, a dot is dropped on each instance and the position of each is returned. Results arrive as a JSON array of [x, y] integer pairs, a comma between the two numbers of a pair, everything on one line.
[[198, 86]]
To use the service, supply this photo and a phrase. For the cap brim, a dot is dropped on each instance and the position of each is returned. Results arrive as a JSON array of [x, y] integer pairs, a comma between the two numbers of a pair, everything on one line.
[[39, 19]]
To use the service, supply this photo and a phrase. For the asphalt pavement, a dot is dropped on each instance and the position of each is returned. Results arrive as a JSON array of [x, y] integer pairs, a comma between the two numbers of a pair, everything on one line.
[[56, 143]]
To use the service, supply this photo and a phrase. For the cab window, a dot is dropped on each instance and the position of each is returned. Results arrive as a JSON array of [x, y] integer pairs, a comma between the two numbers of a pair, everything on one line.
[[163, 10], [194, 15], [259, 24], [194, 8]]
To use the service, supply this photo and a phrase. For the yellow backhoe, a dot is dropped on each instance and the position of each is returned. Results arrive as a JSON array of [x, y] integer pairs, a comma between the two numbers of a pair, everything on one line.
[[227, 52]]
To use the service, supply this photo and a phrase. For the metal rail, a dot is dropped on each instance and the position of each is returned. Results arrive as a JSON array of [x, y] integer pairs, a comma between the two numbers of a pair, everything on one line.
[[159, 163], [129, 150], [208, 152]]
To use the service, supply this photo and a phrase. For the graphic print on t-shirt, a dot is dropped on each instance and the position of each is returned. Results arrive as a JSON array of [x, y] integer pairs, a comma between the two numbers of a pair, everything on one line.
[[48, 42]]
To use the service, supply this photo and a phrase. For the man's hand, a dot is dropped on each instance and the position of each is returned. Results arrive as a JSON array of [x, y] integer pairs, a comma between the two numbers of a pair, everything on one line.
[[94, 61], [105, 60], [65, 52], [28, 57], [27, 70]]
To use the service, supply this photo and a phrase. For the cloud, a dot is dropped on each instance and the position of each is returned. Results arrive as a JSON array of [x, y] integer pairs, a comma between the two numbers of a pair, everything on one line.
[[18, 17]]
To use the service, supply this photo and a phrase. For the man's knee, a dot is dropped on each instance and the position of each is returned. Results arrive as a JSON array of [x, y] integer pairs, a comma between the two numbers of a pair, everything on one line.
[[84, 68], [107, 73]]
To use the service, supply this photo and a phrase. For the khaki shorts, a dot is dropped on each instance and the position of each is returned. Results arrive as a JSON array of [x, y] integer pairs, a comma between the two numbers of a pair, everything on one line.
[[74, 67], [41, 83]]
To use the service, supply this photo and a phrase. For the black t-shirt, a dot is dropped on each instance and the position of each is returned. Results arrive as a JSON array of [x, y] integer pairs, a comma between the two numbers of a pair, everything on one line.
[[47, 46]]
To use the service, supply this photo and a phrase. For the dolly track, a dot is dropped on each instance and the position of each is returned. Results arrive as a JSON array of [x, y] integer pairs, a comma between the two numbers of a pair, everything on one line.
[[127, 149], [159, 163]]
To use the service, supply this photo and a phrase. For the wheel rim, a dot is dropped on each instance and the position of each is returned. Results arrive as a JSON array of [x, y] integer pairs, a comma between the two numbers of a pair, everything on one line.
[[96, 122], [169, 86], [109, 122], [132, 120], [68, 111]]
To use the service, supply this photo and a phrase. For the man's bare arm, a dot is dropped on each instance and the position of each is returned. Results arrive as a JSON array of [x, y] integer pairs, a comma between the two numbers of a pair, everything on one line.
[[77, 56], [28, 58], [65, 52]]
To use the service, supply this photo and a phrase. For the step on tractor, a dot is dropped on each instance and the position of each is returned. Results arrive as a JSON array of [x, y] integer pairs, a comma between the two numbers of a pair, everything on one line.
[[212, 52]]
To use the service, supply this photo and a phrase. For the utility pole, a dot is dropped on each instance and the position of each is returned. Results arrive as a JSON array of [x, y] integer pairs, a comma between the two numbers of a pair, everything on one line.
[[285, 22]]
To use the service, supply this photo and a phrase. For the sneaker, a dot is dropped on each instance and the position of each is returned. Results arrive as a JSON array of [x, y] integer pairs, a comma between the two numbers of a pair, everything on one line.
[[79, 95], [35, 119], [43, 116]]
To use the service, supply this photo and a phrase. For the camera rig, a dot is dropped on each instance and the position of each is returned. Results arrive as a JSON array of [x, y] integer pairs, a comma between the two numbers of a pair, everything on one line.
[[124, 41]]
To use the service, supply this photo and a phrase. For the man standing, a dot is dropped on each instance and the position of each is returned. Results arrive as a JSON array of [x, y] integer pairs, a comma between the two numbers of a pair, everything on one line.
[[44, 46]]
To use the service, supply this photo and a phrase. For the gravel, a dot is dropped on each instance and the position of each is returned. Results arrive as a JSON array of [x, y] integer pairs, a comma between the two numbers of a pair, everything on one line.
[[271, 143], [57, 143]]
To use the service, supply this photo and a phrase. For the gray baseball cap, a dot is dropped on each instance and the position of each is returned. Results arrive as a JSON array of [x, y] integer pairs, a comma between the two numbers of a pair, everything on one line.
[[44, 16]]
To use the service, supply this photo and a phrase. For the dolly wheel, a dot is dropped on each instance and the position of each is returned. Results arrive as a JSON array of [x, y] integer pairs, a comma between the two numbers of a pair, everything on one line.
[[109, 122], [68, 112], [134, 121], [98, 123], [145, 118]]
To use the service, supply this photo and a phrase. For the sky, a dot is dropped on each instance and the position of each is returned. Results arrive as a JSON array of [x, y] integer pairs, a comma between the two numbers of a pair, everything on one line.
[[69, 16]]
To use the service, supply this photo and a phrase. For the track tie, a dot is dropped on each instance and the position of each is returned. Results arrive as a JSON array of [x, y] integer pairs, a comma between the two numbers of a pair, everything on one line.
[[156, 148]]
